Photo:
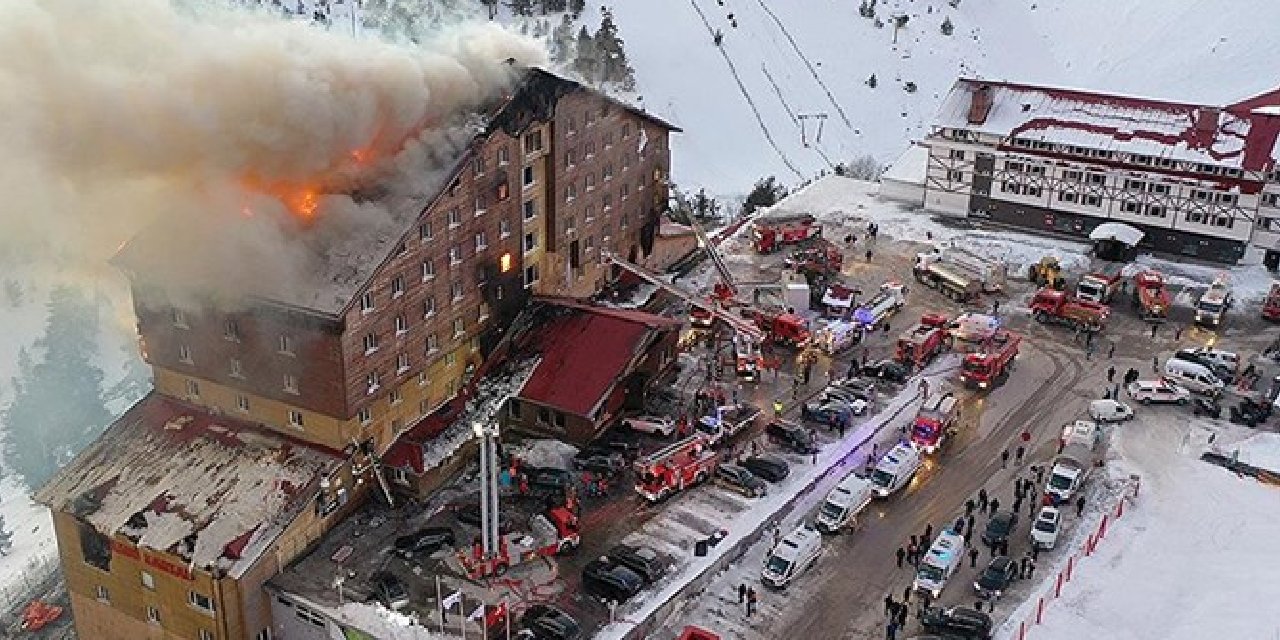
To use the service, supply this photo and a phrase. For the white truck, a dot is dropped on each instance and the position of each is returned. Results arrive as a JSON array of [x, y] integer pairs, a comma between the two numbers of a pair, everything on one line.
[[1212, 306], [891, 298], [939, 563], [843, 504], [991, 274], [1070, 470]]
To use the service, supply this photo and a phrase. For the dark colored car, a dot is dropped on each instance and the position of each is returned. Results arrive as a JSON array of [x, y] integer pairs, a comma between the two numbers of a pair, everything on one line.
[[644, 561], [792, 436], [999, 527], [600, 460], [886, 370], [828, 412], [997, 577], [771, 468], [857, 399], [545, 622], [958, 621], [427, 540], [740, 479], [470, 514], [548, 477], [859, 387], [610, 581], [389, 590], [1223, 373]]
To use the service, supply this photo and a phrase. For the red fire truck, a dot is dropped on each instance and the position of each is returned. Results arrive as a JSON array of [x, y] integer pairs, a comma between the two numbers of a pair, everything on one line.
[[937, 416], [1050, 306], [771, 232], [918, 345], [552, 533], [988, 367], [1151, 296], [676, 467]]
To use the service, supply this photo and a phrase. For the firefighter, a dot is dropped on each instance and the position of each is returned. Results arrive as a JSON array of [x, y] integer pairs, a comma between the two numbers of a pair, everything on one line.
[[777, 408]]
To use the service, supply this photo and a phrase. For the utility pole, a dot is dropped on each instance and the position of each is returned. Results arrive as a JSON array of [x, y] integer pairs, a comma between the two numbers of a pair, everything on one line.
[[821, 117]]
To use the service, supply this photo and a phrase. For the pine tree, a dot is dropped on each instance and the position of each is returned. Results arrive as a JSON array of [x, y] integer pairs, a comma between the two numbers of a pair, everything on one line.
[[492, 5], [561, 43], [766, 193], [521, 7], [947, 27], [871, 82], [613, 59], [58, 404], [586, 61], [576, 7]]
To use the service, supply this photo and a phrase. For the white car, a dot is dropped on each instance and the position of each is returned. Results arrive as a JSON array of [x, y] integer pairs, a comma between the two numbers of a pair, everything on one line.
[[1110, 411], [1044, 531], [654, 425], [1162, 391], [1226, 359]]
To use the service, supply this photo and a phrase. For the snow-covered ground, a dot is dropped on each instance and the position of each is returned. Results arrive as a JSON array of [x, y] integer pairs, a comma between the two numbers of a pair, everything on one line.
[[1188, 560]]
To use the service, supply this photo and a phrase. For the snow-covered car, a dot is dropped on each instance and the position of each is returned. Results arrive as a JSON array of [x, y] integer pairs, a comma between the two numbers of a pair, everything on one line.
[[1110, 411], [1044, 531], [653, 425], [1158, 391]]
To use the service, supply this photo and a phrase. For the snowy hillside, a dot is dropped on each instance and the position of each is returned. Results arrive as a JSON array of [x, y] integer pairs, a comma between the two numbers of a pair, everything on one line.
[[1204, 53]]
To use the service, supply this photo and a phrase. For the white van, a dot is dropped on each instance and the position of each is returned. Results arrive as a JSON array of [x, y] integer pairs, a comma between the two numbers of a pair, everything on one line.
[[792, 556], [895, 469], [1193, 377], [843, 504], [939, 563], [1110, 411]]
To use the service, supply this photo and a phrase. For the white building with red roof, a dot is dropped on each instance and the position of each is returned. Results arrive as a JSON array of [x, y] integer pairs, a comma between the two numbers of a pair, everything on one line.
[[1198, 180]]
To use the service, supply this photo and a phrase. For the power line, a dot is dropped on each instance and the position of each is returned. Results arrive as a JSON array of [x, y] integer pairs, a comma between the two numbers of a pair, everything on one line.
[[808, 64]]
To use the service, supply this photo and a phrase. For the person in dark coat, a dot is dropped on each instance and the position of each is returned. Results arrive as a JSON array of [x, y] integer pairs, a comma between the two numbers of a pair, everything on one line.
[[889, 605], [973, 558], [1004, 459], [906, 595], [969, 524], [891, 630], [1021, 451], [1022, 567], [982, 499], [742, 593], [969, 506], [913, 541], [901, 556], [1017, 504], [902, 615], [959, 527], [1079, 506], [1111, 374], [995, 505], [928, 534]]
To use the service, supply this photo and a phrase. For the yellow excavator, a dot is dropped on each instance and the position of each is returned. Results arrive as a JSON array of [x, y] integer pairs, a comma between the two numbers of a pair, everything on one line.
[[1047, 273]]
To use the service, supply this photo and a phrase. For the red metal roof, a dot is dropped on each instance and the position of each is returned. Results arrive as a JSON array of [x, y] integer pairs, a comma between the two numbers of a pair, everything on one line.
[[584, 354]]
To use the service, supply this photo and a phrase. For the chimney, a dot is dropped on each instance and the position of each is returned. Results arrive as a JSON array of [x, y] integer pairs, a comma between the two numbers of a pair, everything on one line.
[[980, 106], [1206, 125]]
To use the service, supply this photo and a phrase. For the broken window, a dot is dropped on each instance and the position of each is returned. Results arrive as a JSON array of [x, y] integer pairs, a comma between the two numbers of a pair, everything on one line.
[[95, 547]]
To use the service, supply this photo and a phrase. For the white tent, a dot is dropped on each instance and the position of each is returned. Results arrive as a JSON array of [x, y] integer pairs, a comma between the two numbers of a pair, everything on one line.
[[1117, 232]]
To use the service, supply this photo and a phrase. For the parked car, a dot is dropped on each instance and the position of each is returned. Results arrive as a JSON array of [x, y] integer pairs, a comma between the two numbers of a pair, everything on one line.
[[1224, 372], [652, 425], [860, 387], [389, 590], [644, 561], [545, 622], [428, 541], [792, 436], [1044, 531], [996, 578], [1158, 391], [599, 460], [999, 527], [741, 480], [959, 621], [470, 514], [886, 370], [548, 478], [771, 468], [1110, 411], [828, 412], [836, 393], [610, 581]]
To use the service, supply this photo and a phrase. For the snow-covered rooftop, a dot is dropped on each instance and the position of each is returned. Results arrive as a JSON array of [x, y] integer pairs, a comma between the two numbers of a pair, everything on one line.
[[177, 479], [910, 167], [1235, 136]]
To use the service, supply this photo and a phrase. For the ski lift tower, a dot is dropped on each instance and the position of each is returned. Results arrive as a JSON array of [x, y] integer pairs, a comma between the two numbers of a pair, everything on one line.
[[489, 465]]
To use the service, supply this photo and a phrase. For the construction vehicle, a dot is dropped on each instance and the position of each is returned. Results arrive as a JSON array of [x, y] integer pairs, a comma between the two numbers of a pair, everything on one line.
[[1271, 306], [676, 467], [1051, 306], [992, 274], [938, 415], [726, 421], [891, 298], [1211, 308], [1047, 273], [1150, 296], [1101, 285], [550, 534], [918, 345], [771, 232], [991, 365], [952, 280]]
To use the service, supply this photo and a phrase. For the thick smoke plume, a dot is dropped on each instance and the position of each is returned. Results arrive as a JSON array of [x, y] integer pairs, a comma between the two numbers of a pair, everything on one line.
[[231, 135]]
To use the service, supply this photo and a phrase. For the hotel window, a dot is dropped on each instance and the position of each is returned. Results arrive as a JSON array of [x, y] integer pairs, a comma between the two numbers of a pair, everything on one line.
[[237, 368], [1271, 199], [402, 325], [530, 275], [290, 383], [479, 205], [1067, 196], [1072, 176], [295, 418], [365, 415], [570, 192], [1093, 200], [1223, 221], [568, 159], [242, 403], [459, 327], [179, 318], [482, 242], [504, 228], [1196, 216], [608, 140], [955, 176], [571, 125], [606, 202], [607, 172], [402, 363], [1135, 185], [397, 286], [193, 389], [624, 191], [456, 290], [531, 207], [591, 150], [184, 354], [455, 218], [1227, 198], [366, 302], [433, 344], [527, 176], [957, 154], [401, 249], [477, 166], [370, 343], [153, 615], [591, 181], [1156, 211], [372, 382], [428, 270], [148, 580], [286, 344], [429, 307], [504, 156], [1130, 206], [231, 330], [589, 213], [1161, 189], [451, 359], [425, 232], [455, 254], [1201, 195], [533, 141], [530, 242], [422, 382], [101, 593], [395, 398], [1097, 178]]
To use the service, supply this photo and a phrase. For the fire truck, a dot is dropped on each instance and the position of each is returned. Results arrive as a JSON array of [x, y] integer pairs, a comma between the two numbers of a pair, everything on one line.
[[553, 533], [1271, 306], [918, 345], [986, 368], [891, 298], [676, 467], [771, 232], [1050, 306], [1150, 296], [1100, 286], [937, 415]]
